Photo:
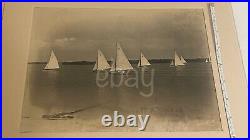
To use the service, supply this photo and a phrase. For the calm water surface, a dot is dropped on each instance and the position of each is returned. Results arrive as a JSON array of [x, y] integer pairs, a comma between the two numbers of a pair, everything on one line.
[[184, 98]]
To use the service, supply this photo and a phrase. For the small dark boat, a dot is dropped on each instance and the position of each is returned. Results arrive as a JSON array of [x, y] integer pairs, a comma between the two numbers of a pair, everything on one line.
[[58, 116]]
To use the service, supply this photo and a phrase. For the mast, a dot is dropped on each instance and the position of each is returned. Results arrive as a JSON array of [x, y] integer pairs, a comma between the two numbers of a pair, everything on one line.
[[140, 57], [116, 54], [173, 60], [139, 63], [112, 64]]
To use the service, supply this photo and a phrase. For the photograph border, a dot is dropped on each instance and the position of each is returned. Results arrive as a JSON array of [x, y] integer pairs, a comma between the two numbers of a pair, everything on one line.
[[14, 72]]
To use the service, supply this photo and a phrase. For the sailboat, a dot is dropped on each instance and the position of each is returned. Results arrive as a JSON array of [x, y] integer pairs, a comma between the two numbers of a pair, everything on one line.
[[101, 62], [52, 63], [143, 61], [121, 61], [183, 60], [207, 60], [177, 60], [172, 63]]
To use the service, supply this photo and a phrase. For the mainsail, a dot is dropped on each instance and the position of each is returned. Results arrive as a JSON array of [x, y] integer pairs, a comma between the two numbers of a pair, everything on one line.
[[183, 60], [143, 61], [122, 62], [177, 60], [53, 62], [101, 63]]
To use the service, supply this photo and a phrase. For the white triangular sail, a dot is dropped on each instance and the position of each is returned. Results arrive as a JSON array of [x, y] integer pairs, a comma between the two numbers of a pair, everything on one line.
[[172, 63], [183, 60], [143, 61], [207, 61], [177, 60], [53, 62], [122, 62], [112, 65], [101, 63], [95, 67]]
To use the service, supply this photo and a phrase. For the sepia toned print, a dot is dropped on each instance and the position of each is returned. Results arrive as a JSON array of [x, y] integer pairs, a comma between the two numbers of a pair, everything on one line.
[[123, 63]]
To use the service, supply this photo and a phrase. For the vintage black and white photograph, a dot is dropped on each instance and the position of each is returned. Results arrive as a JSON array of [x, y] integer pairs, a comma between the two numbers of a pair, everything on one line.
[[119, 70]]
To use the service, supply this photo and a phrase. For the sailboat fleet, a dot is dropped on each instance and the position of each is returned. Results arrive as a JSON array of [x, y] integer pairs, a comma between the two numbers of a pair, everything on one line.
[[178, 61], [119, 64]]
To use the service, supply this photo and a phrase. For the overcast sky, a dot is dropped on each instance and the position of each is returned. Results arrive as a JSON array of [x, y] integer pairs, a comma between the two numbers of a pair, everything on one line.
[[76, 34]]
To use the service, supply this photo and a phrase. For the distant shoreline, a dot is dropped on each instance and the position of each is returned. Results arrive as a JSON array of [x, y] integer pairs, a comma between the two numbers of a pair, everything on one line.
[[131, 61]]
